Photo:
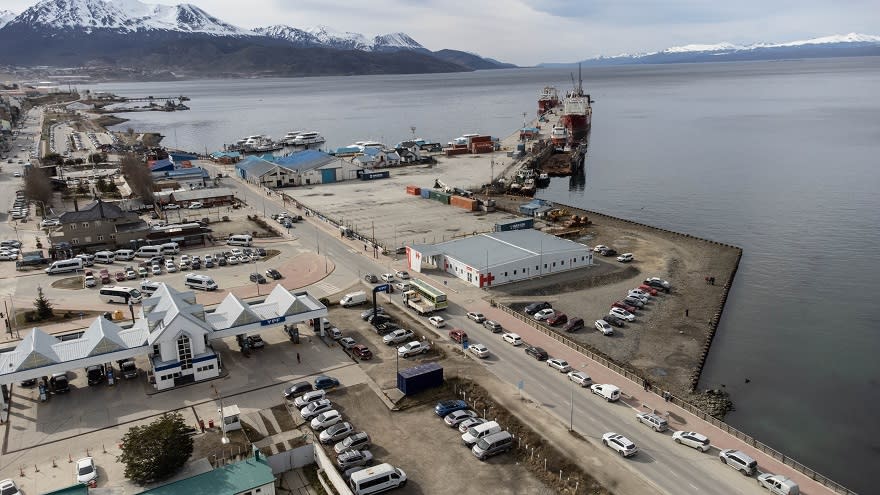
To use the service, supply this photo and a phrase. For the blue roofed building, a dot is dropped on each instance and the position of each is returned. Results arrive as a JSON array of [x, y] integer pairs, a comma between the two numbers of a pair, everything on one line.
[[302, 168]]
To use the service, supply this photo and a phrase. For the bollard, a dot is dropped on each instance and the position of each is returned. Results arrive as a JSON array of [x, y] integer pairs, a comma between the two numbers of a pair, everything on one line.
[[36, 469], [104, 447], [545, 464], [88, 454], [560, 475], [69, 459], [21, 471], [53, 462]]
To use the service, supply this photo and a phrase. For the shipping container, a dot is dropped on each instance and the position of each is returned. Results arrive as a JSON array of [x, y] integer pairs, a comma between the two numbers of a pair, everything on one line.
[[414, 190], [515, 224], [441, 197], [413, 380], [425, 193], [480, 139], [375, 175], [464, 203], [456, 151]]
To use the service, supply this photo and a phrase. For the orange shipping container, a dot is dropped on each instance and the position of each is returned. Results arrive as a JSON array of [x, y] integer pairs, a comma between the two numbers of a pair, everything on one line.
[[414, 190], [464, 203]]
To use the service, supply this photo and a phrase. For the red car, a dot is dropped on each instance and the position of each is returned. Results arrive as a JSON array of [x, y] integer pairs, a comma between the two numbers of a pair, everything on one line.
[[648, 289], [623, 305], [120, 276], [362, 352], [557, 319], [105, 276], [458, 335]]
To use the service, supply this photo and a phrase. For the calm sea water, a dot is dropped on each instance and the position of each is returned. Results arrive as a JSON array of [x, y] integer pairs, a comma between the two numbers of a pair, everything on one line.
[[780, 158]]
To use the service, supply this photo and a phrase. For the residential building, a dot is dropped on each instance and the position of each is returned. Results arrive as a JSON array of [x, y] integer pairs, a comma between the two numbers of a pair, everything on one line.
[[209, 197], [98, 225], [302, 168]]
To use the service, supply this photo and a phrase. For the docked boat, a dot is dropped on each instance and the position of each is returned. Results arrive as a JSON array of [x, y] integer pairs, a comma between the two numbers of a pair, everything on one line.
[[308, 139], [559, 135], [548, 99], [576, 111], [288, 138]]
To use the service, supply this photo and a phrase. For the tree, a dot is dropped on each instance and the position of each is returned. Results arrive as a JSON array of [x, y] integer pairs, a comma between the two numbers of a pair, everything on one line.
[[37, 186], [43, 306], [139, 177], [101, 184], [156, 451], [97, 158]]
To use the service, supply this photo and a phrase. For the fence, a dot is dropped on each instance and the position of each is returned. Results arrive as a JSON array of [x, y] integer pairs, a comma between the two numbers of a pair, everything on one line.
[[638, 380]]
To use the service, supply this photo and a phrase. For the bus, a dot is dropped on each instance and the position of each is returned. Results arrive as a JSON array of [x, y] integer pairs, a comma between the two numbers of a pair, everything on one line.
[[428, 298], [119, 294]]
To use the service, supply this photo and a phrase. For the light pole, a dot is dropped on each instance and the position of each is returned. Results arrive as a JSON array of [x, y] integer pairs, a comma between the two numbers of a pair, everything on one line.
[[225, 439]]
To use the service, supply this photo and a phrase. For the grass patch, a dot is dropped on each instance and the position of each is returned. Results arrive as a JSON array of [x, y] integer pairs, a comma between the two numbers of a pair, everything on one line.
[[283, 417], [70, 283]]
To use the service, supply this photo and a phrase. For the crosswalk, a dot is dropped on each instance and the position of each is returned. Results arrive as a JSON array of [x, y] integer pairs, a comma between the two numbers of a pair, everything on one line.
[[325, 288]]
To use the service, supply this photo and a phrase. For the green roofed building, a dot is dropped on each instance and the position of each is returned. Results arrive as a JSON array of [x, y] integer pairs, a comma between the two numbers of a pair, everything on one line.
[[249, 477], [78, 489]]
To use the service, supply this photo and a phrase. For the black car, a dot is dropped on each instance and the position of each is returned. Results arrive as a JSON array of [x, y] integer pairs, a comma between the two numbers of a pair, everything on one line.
[[386, 328], [613, 320], [221, 260], [256, 277], [535, 307], [255, 342], [378, 319], [366, 314], [400, 250], [196, 264], [634, 301], [261, 252], [537, 353], [608, 252], [273, 274], [297, 389], [657, 284]]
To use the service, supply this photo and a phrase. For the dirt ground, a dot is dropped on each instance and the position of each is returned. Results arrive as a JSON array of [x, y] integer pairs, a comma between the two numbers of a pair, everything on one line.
[[665, 341]]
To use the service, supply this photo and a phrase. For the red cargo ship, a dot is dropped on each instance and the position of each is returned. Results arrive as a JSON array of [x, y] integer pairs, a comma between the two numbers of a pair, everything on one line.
[[576, 111]]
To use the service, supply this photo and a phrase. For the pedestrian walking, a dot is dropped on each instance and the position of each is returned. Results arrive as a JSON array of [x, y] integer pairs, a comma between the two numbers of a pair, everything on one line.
[[645, 384], [297, 358], [686, 312], [666, 396]]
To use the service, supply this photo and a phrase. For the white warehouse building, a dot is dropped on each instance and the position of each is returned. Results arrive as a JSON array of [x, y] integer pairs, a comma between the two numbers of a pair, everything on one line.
[[501, 257]]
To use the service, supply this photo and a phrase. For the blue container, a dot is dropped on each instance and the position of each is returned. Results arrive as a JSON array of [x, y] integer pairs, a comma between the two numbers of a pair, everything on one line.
[[426, 193], [418, 378]]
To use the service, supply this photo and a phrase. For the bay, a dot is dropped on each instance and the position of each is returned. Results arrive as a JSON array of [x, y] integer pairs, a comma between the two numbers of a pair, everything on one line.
[[779, 158]]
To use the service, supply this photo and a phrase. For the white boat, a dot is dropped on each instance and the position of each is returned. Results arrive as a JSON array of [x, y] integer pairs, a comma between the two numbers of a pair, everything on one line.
[[308, 138], [290, 137], [559, 135]]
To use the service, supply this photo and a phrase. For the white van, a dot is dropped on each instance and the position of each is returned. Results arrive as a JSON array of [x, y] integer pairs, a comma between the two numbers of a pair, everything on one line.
[[170, 248], [353, 299], [88, 259], [203, 282], [64, 266], [149, 251], [124, 254], [240, 240], [475, 433], [105, 257], [148, 287], [376, 479]]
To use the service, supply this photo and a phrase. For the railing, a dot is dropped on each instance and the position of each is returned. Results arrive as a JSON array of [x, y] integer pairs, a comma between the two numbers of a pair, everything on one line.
[[638, 380]]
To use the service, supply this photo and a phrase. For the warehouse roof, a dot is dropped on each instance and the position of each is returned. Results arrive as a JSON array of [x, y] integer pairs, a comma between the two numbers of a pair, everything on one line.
[[497, 248], [239, 477], [305, 160], [194, 194], [255, 167]]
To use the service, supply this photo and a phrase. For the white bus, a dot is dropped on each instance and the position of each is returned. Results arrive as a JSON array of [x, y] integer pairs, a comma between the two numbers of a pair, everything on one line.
[[120, 294]]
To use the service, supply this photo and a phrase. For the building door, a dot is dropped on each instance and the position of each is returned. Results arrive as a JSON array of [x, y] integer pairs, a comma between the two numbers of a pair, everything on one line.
[[328, 175]]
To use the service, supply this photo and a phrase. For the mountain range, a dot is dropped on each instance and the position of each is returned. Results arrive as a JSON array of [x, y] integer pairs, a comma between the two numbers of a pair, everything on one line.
[[187, 41], [845, 45]]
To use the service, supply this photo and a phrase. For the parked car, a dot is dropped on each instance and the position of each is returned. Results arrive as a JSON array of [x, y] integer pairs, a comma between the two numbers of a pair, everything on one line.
[[297, 389], [658, 283], [130, 274], [580, 378], [324, 382], [315, 408], [195, 205], [274, 274], [599, 248], [362, 352], [402, 275], [479, 350], [544, 314], [613, 320], [469, 422], [624, 306], [574, 325], [458, 335], [778, 484], [336, 432], [413, 348], [607, 391], [640, 293], [88, 281], [535, 307], [86, 470], [512, 339], [388, 277], [369, 312], [622, 313], [653, 421], [437, 321], [477, 317], [625, 257], [739, 461], [608, 252], [8, 487], [347, 342], [604, 327], [691, 439], [258, 278], [325, 420], [494, 326], [633, 301], [357, 440], [446, 407], [255, 342], [557, 319], [559, 365], [398, 336], [371, 278], [119, 276], [143, 272], [537, 353], [620, 444], [454, 418], [385, 328], [649, 290], [378, 319], [352, 458]]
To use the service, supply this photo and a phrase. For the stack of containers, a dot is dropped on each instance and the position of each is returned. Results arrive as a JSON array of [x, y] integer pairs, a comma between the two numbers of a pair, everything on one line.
[[481, 144]]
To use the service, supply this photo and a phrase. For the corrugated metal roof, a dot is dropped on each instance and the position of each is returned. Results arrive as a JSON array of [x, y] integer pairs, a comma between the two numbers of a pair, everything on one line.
[[256, 167], [504, 247], [230, 479], [305, 160], [194, 194]]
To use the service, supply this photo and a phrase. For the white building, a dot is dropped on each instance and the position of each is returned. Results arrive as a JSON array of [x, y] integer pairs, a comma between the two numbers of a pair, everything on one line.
[[501, 257]]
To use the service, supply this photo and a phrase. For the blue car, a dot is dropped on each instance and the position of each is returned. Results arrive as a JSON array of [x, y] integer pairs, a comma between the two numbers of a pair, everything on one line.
[[445, 407], [325, 382]]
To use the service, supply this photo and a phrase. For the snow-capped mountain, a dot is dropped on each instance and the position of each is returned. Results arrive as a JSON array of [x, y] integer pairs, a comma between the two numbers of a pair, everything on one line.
[[123, 16], [838, 45], [5, 17], [328, 37]]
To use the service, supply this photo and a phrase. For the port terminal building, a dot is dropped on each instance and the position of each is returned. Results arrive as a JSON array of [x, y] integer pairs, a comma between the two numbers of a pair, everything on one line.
[[497, 258]]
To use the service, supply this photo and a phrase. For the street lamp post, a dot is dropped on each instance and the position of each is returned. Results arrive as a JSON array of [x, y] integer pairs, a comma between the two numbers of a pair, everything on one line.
[[225, 439]]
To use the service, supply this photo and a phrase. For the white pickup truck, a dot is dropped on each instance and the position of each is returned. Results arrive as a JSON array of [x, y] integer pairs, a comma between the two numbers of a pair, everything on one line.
[[413, 348]]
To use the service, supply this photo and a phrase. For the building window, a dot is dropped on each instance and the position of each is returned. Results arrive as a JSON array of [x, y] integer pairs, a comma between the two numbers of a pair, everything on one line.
[[85, 225], [537, 267], [87, 238], [561, 262], [74, 241], [505, 274], [72, 226], [156, 349], [113, 236], [554, 263], [184, 352], [100, 238], [514, 272], [545, 266]]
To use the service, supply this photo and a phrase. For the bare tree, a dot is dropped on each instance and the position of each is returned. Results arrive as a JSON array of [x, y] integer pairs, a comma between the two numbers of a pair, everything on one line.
[[139, 178], [38, 187]]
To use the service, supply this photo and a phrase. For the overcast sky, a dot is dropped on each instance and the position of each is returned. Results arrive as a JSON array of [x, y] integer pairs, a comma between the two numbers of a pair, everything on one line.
[[526, 32]]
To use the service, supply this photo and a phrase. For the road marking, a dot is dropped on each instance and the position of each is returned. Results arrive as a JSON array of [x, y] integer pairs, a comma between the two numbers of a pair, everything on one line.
[[328, 288], [694, 487]]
